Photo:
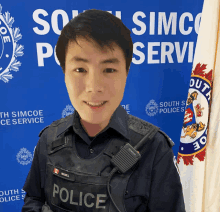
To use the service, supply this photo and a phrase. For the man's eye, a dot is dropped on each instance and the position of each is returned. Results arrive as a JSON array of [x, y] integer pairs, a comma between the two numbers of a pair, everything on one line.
[[110, 70], [80, 70]]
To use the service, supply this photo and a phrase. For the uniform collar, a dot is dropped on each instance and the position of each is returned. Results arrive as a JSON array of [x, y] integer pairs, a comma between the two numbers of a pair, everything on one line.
[[117, 122], [65, 125]]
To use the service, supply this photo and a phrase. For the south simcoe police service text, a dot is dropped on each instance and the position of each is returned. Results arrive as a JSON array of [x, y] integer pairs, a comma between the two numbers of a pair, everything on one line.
[[21, 117]]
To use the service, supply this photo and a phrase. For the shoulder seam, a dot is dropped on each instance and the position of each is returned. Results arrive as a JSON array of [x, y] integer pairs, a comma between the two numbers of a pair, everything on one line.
[[169, 140], [142, 124], [43, 131], [60, 121]]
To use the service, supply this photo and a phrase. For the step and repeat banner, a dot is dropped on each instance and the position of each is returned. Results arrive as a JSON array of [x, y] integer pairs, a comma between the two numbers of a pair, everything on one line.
[[32, 88]]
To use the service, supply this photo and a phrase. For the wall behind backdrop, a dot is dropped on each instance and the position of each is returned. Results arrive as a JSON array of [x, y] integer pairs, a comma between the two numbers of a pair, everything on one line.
[[32, 88]]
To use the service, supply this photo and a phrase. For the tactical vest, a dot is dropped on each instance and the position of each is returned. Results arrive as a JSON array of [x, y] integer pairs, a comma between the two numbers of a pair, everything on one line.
[[80, 185]]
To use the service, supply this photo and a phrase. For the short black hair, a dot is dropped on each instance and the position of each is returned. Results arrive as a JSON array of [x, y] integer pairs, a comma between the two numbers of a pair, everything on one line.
[[102, 27]]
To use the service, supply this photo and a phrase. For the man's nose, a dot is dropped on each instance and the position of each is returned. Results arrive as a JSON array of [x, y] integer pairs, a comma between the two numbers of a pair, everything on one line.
[[95, 83]]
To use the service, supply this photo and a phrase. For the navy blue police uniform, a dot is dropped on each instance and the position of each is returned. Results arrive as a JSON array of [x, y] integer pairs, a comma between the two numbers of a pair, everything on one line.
[[73, 172]]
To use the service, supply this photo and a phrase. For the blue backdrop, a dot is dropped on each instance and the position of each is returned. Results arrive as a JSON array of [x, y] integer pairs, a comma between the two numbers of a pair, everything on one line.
[[32, 88]]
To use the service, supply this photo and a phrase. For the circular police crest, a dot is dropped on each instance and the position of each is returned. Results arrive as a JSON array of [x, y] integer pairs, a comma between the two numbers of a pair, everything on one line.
[[194, 130], [24, 157], [67, 111], [9, 48], [151, 108]]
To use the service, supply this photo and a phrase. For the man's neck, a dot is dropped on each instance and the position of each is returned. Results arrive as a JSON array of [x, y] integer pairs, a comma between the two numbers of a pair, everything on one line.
[[92, 129]]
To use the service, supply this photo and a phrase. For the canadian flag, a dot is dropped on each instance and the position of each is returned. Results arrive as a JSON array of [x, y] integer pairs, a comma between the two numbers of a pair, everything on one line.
[[56, 171], [199, 151]]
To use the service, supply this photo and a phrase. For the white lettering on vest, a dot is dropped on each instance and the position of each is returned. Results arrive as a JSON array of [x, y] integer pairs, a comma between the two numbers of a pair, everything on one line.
[[67, 196]]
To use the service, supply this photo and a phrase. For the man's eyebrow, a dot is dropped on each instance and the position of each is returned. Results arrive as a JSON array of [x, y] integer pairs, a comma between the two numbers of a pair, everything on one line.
[[110, 60]]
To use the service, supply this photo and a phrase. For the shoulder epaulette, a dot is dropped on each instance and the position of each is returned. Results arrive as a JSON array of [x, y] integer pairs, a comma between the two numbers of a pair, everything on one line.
[[139, 125], [59, 121], [142, 127], [170, 142], [43, 130], [55, 123]]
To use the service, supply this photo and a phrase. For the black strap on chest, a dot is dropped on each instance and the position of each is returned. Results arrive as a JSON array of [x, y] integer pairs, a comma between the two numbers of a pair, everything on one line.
[[124, 160]]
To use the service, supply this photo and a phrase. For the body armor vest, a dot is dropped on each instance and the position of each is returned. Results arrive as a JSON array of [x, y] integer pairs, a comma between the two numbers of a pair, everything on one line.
[[80, 185]]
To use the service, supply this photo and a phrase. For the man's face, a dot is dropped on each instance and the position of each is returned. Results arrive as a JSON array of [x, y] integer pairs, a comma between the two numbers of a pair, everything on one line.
[[95, 75]]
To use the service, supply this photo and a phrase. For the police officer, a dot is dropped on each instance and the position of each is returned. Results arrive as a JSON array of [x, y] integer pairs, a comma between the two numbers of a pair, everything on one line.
[[100, 158]]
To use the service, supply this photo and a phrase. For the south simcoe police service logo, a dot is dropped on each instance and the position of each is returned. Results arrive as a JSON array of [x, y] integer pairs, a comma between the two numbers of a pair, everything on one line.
[[67, 111], [152, 108], [9, 48], [24, 157], [194, 129]]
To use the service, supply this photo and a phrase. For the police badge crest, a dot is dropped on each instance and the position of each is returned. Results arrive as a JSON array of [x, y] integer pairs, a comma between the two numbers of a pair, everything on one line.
[[194, 129], [152, 108], [24, 157], [9, 48], [68, 110]]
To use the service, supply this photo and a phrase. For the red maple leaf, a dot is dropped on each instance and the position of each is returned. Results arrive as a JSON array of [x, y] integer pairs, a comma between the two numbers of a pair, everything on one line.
[[186, 159], [208, 76], [199, 70], [201, 155], [178, 158]]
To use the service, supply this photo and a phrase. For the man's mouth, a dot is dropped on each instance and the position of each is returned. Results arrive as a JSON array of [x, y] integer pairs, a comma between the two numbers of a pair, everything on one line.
[[93, 104]]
